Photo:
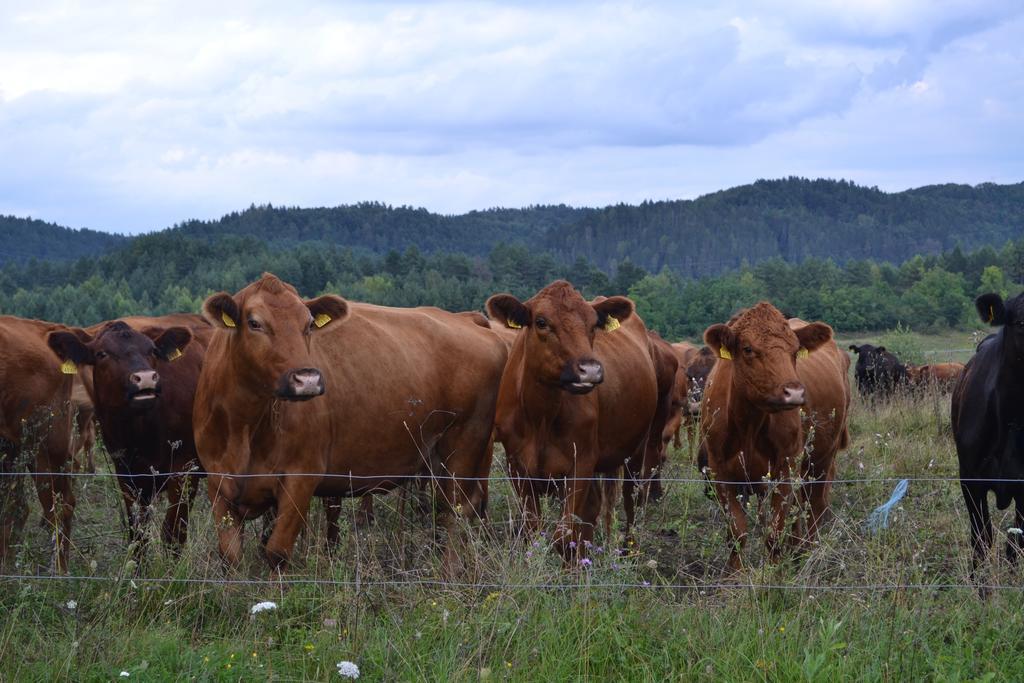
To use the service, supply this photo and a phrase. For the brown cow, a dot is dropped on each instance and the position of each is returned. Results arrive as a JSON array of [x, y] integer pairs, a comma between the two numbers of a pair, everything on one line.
[[35, 433], [697, 376], [142, 386], [939, 376], [84, 429], [779, 379], [577, 400], [683, 352], [409, 392], [664, 426]]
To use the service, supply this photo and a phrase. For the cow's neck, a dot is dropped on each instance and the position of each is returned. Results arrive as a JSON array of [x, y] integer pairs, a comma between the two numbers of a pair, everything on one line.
[[540, 402], [751, 429]]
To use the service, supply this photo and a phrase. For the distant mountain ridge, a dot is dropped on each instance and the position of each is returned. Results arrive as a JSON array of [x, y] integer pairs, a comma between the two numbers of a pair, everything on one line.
[[22, 239], [792, 219]]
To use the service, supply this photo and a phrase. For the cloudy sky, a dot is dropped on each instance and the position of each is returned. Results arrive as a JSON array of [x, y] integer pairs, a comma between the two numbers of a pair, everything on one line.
[[131, 116]]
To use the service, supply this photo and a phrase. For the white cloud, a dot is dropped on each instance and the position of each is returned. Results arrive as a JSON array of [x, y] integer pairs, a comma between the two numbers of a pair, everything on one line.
[[133, 116]]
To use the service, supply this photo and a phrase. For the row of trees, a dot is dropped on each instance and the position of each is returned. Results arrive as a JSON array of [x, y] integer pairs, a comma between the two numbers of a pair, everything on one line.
[[167, 272]]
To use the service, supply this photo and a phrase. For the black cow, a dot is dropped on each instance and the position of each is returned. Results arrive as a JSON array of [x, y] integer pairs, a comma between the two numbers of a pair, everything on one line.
[[143, 384], [988, 423], [879, 373]]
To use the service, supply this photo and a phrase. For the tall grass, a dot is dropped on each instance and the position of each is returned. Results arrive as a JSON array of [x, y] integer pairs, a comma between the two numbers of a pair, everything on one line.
[[657, 609]]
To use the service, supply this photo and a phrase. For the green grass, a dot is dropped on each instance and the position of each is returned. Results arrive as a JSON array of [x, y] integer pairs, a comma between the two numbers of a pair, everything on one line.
[[527, 618]]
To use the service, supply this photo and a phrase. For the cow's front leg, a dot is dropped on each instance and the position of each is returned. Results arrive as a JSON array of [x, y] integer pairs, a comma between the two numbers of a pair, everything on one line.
[[578, 518], [226, 519], [1014, 542], [737, 516], [137, 507], [780, 499], [181, 491], [293, 498]]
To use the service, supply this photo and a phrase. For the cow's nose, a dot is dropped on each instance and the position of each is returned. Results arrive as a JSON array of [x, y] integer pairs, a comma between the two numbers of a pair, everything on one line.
[[144, 379], [590, 372], [305, 382], [793, 393]]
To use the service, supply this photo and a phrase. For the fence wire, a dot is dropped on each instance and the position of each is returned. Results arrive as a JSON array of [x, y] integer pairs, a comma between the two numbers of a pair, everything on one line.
[[497, 585], [512, 478], [578, 579]]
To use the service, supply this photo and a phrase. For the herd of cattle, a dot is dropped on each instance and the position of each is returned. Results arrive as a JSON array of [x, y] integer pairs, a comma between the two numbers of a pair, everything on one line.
[[275, 400]]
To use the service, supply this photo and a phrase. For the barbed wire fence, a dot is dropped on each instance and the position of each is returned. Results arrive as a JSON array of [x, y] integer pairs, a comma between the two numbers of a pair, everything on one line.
[[573, 579]]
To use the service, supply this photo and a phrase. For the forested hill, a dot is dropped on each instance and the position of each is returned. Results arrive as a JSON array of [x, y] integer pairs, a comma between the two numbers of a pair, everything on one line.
[[22, 239], [792, 219], [380, 228], [795, 219]]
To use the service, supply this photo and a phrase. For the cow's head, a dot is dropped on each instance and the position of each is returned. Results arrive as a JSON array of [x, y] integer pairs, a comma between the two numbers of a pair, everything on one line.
[[871, 359], [270, 330], [123, 360], [916, 374], [559, 328], [763, 351], [1006, 314], [696, 376]]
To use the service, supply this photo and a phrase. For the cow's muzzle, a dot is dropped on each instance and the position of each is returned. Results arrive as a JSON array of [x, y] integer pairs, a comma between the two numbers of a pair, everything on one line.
[[301, 384], [792, 395], [143, 386], [582, 378]]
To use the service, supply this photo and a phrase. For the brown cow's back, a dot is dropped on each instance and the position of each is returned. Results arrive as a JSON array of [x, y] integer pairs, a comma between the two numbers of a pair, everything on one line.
[[418, 367]]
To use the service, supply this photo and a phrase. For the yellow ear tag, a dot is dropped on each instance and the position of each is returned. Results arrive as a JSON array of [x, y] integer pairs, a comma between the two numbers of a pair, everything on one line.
[[513, 324], [174, 355], [321, 319], [724, 353], [611, 324], [227, 319], [802, 353], [68, 368], [991, 314]]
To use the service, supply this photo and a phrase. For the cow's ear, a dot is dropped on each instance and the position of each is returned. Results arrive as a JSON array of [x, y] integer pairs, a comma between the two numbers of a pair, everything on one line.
[[855, 349], [812, 336], [70, 347], [508, 310], [721, 340], [991, 309], [613, 311], [221, 311], [879, 349], [170, 343], [329, 308]]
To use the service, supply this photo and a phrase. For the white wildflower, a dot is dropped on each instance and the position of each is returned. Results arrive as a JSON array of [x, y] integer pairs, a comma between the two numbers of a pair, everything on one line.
[[124, 674], [348, 670], [262, 607], [71, 604], [1016, 531]]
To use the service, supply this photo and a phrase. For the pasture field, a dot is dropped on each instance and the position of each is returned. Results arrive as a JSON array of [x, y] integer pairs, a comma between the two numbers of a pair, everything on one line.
[[895, 605]]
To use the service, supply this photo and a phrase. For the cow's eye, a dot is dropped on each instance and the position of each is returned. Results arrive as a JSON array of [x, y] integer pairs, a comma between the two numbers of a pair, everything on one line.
[[100, 355], [255, 325], [541, 323], [748, 350]]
